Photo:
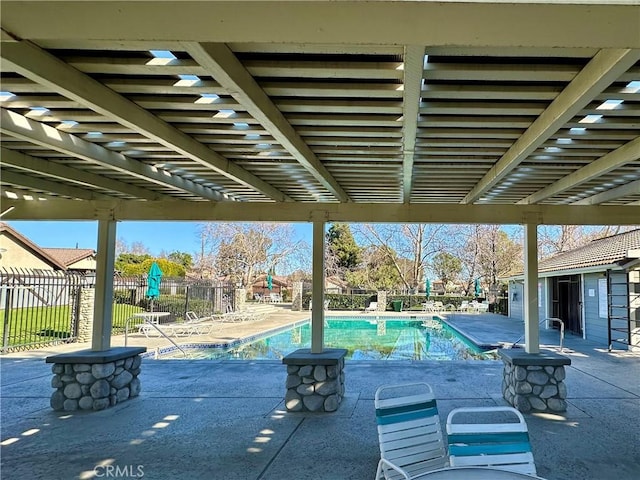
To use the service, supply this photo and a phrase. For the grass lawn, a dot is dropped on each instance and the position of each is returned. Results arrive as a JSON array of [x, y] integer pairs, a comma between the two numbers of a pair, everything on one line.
[[41, 325]]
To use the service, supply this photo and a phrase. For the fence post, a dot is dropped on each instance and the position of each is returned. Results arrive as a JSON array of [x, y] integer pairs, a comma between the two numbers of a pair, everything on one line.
[[186, 300], [8, 300], [85, 314]]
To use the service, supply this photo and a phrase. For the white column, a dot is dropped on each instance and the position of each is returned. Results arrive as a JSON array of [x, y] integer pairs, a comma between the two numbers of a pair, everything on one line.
[[317, 311], [531, 325], [103, 306]]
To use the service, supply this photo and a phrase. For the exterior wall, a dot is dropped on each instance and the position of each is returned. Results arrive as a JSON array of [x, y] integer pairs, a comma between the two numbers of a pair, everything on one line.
[[84, 264], [516, 299], [15, 255], [595, 324], [543, 299]]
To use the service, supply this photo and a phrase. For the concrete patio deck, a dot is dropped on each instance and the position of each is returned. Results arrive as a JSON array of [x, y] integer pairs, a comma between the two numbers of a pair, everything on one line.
[[225, 419]]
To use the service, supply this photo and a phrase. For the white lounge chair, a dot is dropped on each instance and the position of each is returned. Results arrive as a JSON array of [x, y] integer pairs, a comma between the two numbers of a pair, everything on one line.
[[373, 306], [409, 432], [503, 444], [195, 325], [326, 304], [482, 307], [428, 307], [464, 306], [275, 298]]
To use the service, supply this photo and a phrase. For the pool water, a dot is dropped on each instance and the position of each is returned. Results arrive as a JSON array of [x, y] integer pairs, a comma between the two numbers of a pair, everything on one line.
[[372, 338]]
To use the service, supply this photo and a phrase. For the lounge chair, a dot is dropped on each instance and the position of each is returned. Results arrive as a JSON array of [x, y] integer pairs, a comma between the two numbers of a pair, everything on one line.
[[409, 432], [464, 306], [373, 306], [326, 304], [275, 298], [428, 307], [195, 325], [482, 307], [504, 445]]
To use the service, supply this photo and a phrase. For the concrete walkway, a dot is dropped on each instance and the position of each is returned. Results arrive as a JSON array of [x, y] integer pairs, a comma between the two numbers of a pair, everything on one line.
[[225, 419]]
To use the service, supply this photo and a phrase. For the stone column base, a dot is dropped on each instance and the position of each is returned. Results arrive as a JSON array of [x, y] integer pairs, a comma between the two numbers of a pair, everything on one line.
[[90, 380], [534, 381], [315, 381]]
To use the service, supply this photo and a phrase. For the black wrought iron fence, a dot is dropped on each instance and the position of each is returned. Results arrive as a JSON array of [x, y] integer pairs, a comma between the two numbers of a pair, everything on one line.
[[177, 296], [38, 307], [43, 307]]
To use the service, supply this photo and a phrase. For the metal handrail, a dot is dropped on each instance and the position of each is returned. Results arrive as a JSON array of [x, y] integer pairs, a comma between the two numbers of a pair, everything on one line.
[[554, 319], [541, 322], [126, 330]]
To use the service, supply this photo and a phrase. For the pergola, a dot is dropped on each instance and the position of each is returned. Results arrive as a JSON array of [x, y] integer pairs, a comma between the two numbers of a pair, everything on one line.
[[320, 111]]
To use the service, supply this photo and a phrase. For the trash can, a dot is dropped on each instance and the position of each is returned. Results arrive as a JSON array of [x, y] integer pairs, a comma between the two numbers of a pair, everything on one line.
[[397, 305]]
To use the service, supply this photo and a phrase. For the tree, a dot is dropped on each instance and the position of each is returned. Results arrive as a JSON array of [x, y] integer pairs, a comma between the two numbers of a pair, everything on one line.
[[447, 267], [377, 272], [204, 263], [408, 247], [343, 254], [131, 262], [181, 258], [487, 252], [244, 250], [169, 268]]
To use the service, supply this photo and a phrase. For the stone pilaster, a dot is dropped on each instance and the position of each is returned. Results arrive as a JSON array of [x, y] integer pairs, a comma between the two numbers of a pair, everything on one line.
[[296, 297], [534, 382], [240, 298], [315, 381], [93, 380], [382, 301], [85, 314]]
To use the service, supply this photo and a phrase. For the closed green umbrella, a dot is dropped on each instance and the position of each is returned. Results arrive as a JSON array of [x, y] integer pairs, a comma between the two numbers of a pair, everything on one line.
[[154, 277], [478, 288], [269, 281], [427, 288]]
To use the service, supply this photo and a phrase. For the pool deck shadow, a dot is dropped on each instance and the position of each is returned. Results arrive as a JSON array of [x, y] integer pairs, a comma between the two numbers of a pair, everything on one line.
[[199, 419]]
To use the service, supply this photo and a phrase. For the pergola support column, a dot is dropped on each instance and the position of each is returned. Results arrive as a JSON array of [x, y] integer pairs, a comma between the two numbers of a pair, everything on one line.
[[531, 325], [103, 307], [317, 312]]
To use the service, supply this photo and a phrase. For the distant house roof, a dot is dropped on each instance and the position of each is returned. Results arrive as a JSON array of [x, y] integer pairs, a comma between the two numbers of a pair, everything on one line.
[[29, 245], [275, 279], [617, 249], [69, 256]]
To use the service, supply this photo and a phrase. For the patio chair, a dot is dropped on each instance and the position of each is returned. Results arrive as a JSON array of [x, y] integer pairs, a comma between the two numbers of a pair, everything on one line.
[[504, 445], [482, 307], [275, 298], [373, 306], [409, 432], [464, 306], [428, 307], [195, 325]]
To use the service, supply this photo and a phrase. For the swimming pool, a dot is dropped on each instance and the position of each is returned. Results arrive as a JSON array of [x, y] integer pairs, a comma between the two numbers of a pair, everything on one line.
[[371, 338]]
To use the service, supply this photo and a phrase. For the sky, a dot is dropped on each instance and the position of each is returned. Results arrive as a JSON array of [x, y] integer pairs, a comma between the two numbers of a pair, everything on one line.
[[156, 236]]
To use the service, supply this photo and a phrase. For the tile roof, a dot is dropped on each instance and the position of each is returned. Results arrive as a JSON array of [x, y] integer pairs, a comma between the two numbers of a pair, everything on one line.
[[69, 256], [605, 251]]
